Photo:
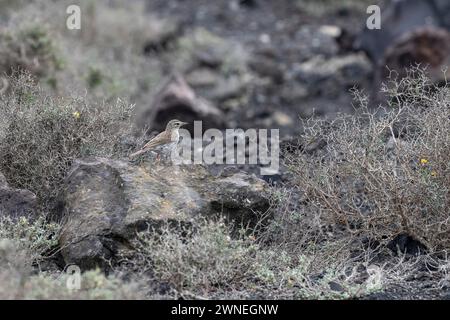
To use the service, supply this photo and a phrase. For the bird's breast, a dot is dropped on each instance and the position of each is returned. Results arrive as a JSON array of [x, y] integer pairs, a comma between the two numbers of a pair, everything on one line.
[[175, 136]]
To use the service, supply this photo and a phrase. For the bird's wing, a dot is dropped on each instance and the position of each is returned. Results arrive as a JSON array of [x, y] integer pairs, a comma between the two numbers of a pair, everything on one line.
[[156, 141], [133, 155], [161, 138]]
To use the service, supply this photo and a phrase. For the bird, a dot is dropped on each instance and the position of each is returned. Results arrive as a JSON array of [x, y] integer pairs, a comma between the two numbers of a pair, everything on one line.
[[164, 141]]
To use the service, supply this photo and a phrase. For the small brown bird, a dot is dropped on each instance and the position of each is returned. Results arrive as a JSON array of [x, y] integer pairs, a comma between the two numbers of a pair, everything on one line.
[[165, 141]]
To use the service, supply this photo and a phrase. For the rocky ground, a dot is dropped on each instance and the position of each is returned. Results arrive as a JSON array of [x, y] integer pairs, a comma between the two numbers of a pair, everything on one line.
[[293, 63], [359, 209]]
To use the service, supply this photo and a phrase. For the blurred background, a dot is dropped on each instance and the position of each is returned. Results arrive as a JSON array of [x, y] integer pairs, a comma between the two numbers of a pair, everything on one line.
[[239, 63], [355, 191]]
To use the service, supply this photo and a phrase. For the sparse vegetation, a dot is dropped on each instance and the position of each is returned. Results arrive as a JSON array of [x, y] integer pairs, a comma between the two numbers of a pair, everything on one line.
[[375, 176], [20, 283], [355, 182], [379, 176], [30, 48], [208, 262], [41, 135], [34, 239], [25, 245]]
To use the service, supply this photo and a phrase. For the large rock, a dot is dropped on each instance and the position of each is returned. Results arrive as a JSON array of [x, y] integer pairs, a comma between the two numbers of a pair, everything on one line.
[[428, 46], [106, 202], [399, 18], [177, 100], [412, 32], [16, 203]]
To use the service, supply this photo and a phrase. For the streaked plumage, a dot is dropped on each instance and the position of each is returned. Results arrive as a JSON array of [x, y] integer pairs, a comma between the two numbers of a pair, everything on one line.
[[168, 138]]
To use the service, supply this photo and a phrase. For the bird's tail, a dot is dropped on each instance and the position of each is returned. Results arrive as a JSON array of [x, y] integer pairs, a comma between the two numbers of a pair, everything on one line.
[[137, 153]]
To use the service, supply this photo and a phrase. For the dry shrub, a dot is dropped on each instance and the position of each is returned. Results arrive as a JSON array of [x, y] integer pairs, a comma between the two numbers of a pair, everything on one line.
[[377, 174], [207, 260], [27, 247], [41, 135], [36, 239], [18, 281], [195, 259]]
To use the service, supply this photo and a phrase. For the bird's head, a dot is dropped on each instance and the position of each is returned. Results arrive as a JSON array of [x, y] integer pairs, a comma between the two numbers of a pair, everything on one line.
[[175, 124]]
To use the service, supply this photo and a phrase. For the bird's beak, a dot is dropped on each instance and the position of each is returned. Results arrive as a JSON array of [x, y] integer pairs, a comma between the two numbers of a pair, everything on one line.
[[184, 123]]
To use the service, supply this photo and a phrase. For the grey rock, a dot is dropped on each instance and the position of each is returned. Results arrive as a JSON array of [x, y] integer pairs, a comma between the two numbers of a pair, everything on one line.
[[202, 78], [310, 41], [16, 203], [446, 295], [334, 286], [399, 17], [209, 57], [228, 88], [266, 67], [294, 93], [223, 90], [177, 100], [428, 46], [327, 77], [106, 202]]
